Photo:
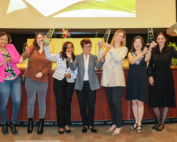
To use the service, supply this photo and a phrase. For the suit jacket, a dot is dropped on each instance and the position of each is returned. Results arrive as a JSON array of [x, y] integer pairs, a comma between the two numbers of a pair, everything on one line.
[[113, 74], [93, 79], [61, 69], [15, 59]]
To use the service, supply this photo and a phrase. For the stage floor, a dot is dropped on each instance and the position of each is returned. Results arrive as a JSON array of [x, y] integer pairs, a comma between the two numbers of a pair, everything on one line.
[[169, 134]]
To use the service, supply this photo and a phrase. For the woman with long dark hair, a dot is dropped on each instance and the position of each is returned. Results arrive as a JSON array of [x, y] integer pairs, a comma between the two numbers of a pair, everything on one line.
[[36, 80], [161, 89], [63, 85], [137, 83]]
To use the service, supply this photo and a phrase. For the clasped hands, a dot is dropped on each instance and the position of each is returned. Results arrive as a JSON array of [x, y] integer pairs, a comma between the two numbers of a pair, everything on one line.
[[152, 45], [100, 44]]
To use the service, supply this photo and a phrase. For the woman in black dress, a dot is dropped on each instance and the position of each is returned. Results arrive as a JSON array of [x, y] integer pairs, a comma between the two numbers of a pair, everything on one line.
[[161, 90], [137, 83]]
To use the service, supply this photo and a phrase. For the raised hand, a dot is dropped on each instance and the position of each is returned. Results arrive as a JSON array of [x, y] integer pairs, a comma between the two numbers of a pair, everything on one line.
[[153, 44], [145, 50], [100, 43], [47, 40], [103, 55], [107, 45]]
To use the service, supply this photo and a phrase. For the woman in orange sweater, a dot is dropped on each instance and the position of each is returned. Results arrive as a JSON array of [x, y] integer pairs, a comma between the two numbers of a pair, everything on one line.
[[36, 80]]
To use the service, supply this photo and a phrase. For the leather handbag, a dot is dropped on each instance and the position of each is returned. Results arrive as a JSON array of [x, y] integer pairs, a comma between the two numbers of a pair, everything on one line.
[[23, 79]]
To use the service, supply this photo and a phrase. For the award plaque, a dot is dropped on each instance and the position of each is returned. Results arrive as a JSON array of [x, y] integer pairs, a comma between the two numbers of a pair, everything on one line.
[[106, 35], [26, 49], [150, 36], [106, 38], [48, 36]]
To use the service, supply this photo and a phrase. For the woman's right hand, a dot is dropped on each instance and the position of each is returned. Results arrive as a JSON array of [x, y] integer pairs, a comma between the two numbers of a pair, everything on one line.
[[21, 61], [69, 56], [103, 55], [152, 45], [151, 80], [145, 50]]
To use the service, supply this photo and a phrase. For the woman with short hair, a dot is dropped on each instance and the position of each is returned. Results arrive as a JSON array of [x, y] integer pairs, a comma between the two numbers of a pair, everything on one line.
[[10, 82]]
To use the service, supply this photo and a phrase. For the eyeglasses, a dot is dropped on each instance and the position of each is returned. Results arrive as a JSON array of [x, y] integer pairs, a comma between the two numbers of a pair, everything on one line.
[[89, 46]]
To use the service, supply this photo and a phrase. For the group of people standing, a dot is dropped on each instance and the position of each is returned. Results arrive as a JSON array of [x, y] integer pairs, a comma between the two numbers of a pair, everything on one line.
[[82, 68]]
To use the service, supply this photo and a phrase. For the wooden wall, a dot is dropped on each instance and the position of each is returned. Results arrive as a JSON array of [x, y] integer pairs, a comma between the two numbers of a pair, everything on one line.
[[102, 111]]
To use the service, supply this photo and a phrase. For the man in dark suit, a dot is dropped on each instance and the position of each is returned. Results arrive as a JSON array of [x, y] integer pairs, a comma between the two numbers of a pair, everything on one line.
[[86, 82]]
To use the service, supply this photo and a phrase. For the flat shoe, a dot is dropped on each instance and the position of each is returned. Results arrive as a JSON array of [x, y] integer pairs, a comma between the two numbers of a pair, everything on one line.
[[92, 129], [110, 130], [84, 130], [115, 134], [156, 126], [68, 131], [160, 129]]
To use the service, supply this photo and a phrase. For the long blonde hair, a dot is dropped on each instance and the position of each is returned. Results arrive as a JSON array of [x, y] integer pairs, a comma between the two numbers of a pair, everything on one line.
[[122, 43]]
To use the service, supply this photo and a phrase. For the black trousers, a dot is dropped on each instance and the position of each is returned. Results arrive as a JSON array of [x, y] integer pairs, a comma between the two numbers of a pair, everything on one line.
[[63, 93], [87, 97], [114, 95]]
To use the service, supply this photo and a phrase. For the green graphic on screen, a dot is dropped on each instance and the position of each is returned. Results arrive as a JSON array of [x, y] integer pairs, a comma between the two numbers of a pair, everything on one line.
[[77, 8]]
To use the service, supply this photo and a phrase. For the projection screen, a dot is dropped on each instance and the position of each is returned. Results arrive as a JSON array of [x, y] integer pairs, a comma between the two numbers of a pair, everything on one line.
[[87, 13]]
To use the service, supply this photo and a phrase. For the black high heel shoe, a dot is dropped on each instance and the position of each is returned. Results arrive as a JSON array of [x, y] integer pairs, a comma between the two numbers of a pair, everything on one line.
[[61, 132], [30, 125], [40, 128]]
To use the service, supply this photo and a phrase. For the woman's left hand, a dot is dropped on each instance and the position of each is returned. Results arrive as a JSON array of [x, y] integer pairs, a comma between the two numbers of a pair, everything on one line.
[[103, 55], [107, 45], [8, 60], [39, 75], [68, 75]]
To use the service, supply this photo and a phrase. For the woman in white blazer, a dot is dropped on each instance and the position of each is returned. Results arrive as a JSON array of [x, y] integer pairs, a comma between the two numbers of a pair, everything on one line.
[[113, 77]]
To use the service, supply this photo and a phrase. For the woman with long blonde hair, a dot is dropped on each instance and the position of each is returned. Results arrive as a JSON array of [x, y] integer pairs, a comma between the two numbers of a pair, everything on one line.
[[113, 77]]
